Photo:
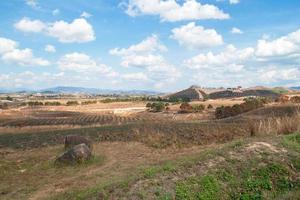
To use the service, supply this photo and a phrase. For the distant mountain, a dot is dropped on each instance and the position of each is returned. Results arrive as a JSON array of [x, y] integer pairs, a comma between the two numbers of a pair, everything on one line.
[[82, 90], [295, 88]]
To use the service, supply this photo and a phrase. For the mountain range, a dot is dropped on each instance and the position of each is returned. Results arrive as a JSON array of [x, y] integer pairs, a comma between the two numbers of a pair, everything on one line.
[[80, 90]]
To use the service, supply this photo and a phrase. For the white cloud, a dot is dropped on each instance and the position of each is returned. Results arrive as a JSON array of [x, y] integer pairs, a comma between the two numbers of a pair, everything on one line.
[[23, 57], [85, 15], [150, 44], [283, 46], [55, 12], [10, 53], [50, 48], [7, 45], [27, 25], [274, 74], [193, 36], [235, 30], [79, 30], [231, 58], [141, 60], [82, 63], [170, 10], [146, 56], [234, 1]]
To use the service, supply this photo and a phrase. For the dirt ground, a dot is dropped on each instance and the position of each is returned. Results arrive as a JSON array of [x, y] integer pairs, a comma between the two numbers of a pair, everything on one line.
[[119, 159]]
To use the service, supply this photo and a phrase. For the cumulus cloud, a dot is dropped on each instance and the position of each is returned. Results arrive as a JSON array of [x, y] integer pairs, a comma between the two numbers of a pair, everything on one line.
[[170, 10], [27, 25], [274, 74], [193, 36], [79, 30], [150, 44], [269, 63], [146, 56], [10, 53], [230, 58], [283, 46], [235, 30], [50, 48], [7, 45], [23, 57], [83, 63]]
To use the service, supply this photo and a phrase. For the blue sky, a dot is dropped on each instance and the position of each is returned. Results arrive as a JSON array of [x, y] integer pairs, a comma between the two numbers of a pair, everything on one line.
[[149, 44]]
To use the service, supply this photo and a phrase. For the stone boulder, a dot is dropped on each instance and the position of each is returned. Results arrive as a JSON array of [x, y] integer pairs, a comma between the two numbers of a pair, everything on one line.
[[76, 154], [73, 140]]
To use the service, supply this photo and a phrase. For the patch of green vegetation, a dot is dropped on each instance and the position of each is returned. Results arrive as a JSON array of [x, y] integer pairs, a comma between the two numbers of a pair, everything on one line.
[[150, 172], [280, 90], [202, 188], [292, 141], [265, 182]]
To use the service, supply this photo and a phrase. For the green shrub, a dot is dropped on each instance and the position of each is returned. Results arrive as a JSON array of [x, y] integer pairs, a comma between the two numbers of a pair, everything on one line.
[[158, 107], [35, 103], [198, 108], [53, 103], [72, 103], [88, 102]]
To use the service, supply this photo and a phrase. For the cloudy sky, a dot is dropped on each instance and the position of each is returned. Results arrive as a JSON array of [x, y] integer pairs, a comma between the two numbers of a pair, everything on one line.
[[161, 45]]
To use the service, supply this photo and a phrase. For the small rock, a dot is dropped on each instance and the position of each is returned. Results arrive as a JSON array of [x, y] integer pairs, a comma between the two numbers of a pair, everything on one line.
[[77, 154]]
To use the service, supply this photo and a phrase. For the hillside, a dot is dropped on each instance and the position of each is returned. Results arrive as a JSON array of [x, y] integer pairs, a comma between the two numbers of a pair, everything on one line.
[[198, 93]]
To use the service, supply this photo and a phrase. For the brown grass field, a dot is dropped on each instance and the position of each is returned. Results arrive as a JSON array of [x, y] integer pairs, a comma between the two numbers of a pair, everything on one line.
[[144, 155]]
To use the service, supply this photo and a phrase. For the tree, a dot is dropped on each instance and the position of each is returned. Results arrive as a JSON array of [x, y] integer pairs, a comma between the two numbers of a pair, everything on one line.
[[158, 107], [8, 98]]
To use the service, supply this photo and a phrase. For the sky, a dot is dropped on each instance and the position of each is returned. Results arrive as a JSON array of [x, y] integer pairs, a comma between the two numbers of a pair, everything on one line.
[[161, 45]]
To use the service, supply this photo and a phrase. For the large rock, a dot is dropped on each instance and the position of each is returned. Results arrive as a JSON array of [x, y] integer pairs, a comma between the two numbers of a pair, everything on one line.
[[77, 154], [73, 140]]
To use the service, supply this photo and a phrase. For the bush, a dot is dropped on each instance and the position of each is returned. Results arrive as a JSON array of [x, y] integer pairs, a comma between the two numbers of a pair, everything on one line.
[[35, 103], [53, 103], [148, 105], [198, 108], [210, 106], [88, 102], [158, 107], [187, 108], [249, 104], [9, 98], [72, 103]]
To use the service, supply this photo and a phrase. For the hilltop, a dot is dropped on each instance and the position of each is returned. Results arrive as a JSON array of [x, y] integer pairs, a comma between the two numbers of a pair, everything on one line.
[[202, 93]]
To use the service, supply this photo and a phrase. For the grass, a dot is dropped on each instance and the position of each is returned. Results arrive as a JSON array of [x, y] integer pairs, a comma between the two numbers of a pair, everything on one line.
[[292, 141], [202, 188], [150, 172]]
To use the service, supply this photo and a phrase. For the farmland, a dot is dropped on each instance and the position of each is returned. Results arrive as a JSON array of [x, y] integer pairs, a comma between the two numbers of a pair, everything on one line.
[[140, 154]]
